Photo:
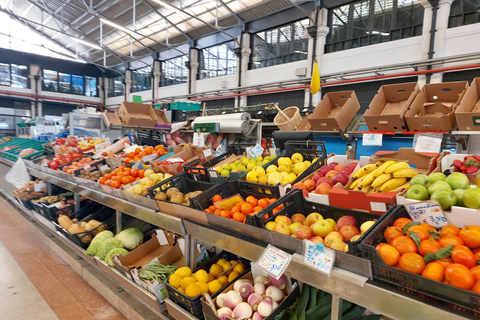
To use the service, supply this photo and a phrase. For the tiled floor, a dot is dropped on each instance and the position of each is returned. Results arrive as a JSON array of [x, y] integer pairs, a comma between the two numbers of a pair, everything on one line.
[[37, 284]]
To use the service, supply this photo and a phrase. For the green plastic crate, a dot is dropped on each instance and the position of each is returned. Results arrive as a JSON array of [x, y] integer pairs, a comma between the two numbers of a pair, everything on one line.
[[185, 106]]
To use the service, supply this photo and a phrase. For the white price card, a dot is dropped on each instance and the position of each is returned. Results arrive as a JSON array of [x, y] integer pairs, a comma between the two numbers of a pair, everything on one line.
[[318, 257], [427, 142], [428, 212], [257, 151], [274, 261], [372, 139], [207, 152]]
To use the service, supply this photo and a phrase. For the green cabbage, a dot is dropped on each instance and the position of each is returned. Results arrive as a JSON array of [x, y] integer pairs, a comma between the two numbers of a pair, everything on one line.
[[97, 241], [106, 246], [114, 252], [130, 238]]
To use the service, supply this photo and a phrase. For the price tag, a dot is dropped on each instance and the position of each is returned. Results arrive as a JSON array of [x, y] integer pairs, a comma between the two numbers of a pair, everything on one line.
[[318, 257], [213, 174], [427, 142], [274, 261], [104, 167], [257, 151], [372, 139], [56, 205], [428, 212], [207, 152]]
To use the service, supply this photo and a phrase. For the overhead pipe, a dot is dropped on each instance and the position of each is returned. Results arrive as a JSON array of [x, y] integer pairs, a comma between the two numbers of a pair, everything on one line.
[[377, 77], [25, 95]]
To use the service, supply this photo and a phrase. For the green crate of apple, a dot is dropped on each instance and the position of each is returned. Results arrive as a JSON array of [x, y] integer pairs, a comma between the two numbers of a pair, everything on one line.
[[452, 190], [243, 165]]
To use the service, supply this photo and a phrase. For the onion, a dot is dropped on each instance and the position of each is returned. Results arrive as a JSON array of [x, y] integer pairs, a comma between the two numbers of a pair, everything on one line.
[[224, 312], [259, 288], [242, 311], [220, 300], [257, 316], [262, 279], [253, 300], [238, 283], [245, 290], [274, 293], [265, 307], [232, 299], [280, 283]]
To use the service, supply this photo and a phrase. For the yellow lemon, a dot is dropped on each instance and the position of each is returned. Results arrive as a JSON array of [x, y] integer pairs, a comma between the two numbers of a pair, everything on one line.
[[216, 269], [211, 277], [174, 280], [232, 262], [181, 290], [239, 267], [221, 261], [214, 286], [223, 280], [186, 281], [219, 169], [201, 275], [203, 286], [193, 290], [183, 272], [233, 276]]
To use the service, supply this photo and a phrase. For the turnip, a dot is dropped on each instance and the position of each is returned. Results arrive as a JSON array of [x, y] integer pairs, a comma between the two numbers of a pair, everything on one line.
[[245, 290], [280, 283], [259, 288], [232, 299], [262, 279], [242, 311], [238, 283], [257, 316], [220, 300], [265, 308], [254, 299], [224, 312], [275, 293]]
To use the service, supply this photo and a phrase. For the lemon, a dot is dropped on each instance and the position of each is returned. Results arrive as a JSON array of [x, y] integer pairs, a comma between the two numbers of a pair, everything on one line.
[[219, 169], [223, 280], [186, 281], [226, 266], [203, 286], [216, 269], [232, 262], [174, 280], [201, 275], [214, 286], [193, 290], [233, 276], [211, 277], [183, 272], [221, 261], [239, 267], [181, 290]]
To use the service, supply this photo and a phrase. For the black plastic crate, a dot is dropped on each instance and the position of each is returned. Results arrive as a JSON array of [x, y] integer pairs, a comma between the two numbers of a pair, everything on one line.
[[150, 137], [52, 212], [458, 300], [194, 305], [201, 173], [294, 202], [94, 166]]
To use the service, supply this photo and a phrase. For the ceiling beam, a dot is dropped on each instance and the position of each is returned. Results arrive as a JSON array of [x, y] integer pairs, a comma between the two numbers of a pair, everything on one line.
[[241, 23]]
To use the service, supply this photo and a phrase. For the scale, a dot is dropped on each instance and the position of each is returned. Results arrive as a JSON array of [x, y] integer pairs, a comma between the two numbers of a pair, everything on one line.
[[206, 127]]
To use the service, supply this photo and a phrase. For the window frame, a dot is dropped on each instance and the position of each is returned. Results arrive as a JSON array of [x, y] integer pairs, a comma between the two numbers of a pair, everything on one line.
[[463, 14], [10, 75], [111, 89], [70, 83], [229, 70], [163, 80], [136, 71]]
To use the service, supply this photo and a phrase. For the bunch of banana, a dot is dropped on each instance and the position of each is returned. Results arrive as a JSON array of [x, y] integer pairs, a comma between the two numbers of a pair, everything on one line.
[[89, 144], [383, 176]]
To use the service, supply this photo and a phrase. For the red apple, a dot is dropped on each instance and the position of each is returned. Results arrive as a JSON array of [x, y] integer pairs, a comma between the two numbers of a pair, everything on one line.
[[348, 232], [298, 185], [303, 232], [346, 221], [315, 179], [330, 174], [333, 165], [322, 228], [319, 174], [282, 228], [323, 188], [352, 166], [312, 218], [298, 217], [309, 185], [283, 219], [340, 178], [316, 239], [332, 237], [324, 170], [339, 167], [324, 180]]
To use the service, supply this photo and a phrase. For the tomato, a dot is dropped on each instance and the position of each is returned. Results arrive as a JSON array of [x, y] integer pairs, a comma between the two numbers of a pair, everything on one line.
[[463, 255], [411, 262], [421, 231], [434, 271], [68, 158], [450, 241], [53, 165], [389, 254], [404, 244], [216, 198], [391, 233], [429, 245], [401, 222], [459, 276], [449, 230], [470, 236]]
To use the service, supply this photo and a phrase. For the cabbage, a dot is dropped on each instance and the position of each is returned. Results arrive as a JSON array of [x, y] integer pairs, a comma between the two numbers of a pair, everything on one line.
[[114, 252], [106, 246], [97, 241], [130, 238]]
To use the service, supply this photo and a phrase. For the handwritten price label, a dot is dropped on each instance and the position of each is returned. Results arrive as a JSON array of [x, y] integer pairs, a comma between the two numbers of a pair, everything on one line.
[[428, 212], [318, 257], [274, 261]]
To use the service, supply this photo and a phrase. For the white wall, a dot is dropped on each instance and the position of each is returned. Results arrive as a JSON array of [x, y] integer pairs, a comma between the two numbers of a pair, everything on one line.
[[282, 72], [172, 91], [216, 83], [114, 100], [462, 40]]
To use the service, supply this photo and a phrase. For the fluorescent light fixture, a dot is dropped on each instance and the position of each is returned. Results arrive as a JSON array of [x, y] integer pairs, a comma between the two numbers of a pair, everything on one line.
[[167, 5], [92, 45], [380, 33], [299, 51], [257, 62], [116, 26]]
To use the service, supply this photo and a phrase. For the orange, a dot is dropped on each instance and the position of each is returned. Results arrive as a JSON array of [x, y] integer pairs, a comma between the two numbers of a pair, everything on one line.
[[239, 203], [141, 173], [470, 236], [257, 209], [450, 241], [404, 244], [246, 208], [445, 262], [216, 198], [476, 273], [131, 155], [263, 202], [421, 231], [379, 245], [108, 182], [272, 200], [108, 176], [226, 214], [208, 210], [459, 276], [149, 150], [275, 210], [235, 209], [428, 227], [142, 154], [449, 230], [115, 184], [126, 180], [434, 271], [102, 180], [411, 262], [463, 255], [391, 233], [212, 207], [476, 287], [137, 151], [238, 216], [217, 212], [389, 255], [429, 245], [137, 178], [158, 147], [134, 173], [401, 222], [127, 160], [253, 201]]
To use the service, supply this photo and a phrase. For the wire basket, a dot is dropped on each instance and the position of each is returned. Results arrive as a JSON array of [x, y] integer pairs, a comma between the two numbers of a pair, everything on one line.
[[288, 119]]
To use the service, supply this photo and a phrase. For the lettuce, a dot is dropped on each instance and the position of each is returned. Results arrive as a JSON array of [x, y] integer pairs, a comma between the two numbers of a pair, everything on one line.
[[106, 246], [130, 238], [97, 241]]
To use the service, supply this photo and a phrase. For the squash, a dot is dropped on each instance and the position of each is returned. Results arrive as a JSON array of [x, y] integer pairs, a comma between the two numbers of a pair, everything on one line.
[[65, 222], [75, 229], [92, 224]]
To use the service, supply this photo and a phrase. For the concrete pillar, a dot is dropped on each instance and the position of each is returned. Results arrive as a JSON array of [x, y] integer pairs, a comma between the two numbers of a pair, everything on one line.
[[243, 67], [36, 81], [321, 38], [100, 89], [128, 85], [157, 73], [106, 88], [192, 75]]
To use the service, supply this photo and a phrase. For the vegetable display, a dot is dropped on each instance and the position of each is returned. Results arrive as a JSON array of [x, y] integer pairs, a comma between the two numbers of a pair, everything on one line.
[[156, 271], [97, 241], [130, 238]]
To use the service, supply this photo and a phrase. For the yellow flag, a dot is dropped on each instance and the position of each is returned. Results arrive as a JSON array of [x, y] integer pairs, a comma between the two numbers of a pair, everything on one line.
[[315, 83]]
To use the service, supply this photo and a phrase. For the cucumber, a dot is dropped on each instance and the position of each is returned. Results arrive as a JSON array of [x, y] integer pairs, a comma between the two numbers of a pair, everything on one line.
[[354, 314], [323, 307], [312, 300], [345, 306], [302, 305], [320, 295], [371, 317]]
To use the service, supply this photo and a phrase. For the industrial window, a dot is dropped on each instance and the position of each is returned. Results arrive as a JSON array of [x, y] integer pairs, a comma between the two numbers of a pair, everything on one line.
[[174, 71], [464, 12], [13, 75], [77, 84], [142, 79], [284, 44], [90, 86], [115, 87], [367, 22], [50, 80], [217, 61], [65, 83], [5, 74]]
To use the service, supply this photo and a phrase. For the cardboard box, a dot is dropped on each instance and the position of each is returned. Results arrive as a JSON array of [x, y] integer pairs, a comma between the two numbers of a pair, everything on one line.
[[335, 111], [305, 125], [161, 117], [137, 114], [188, 153], [177, 312], [468, 111], [387, 110], [423, 162], [112, 118], [434, 107]]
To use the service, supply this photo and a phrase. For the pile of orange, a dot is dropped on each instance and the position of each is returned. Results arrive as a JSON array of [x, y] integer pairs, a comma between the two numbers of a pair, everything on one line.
[[138, 154], [121, 176], [450, 255], [241, 209]]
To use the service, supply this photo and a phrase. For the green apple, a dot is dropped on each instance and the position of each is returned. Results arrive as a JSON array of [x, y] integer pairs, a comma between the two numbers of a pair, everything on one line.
[[471, 198], [420, 179], [417, 192], [446, 198], [438, 185], [459, 193], [457, 180], [434, 177]]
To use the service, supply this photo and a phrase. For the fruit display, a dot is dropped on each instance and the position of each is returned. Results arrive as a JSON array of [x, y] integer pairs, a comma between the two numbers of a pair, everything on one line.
[[469, 165], [176, 196], [139, 152], [244, 165], [93, 175], [28, 192], [61, 159], [53, 199], [73, 226], [65, 144], [89, 144], [156, 271], [122, 176], [75, 165], [383, 176], [146, 179]]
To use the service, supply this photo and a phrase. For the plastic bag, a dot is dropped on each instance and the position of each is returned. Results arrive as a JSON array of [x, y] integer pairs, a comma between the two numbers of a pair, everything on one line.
[[18, 175]]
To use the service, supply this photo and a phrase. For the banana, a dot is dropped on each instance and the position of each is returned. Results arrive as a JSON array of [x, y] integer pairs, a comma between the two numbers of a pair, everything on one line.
[[367, 189], [354, 184], [372, 190], [381, 179], [380, 170], [367, 180], [405, 173], [392, 184], [357, 188], [364, 170], [397, 166], [403, 186]]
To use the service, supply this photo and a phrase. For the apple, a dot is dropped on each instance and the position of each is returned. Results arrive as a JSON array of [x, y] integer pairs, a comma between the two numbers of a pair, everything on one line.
[[339, 167], [472, 186], [323, 188], [348, 232], [315, 179], [471, 198], [253, 176], [274, 178], [270, 225], [285, 161], [437, 186], [365, 226], [420, 179], [324, 170], [333, 165], [298, 217], [346, 221], [282, 228], [330, 174], [303, 232], [312, 218], [338, 245], [457, 180], [417, 192], [446, 198], [352, 166], [332, 237], [434, 177], [322, 228], [355, 238], [299, 167], [460, 193], [293, 227], [340, 178], [309, 185], [316, 239], [297, 157], [324, 180], [283, 219], [332, 222]]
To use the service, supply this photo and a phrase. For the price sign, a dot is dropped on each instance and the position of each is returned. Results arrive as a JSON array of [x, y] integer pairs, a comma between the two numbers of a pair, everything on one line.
[[207, 152], [428, 212], [257, 151], [318, 257], [274, 261], [372, 139]]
